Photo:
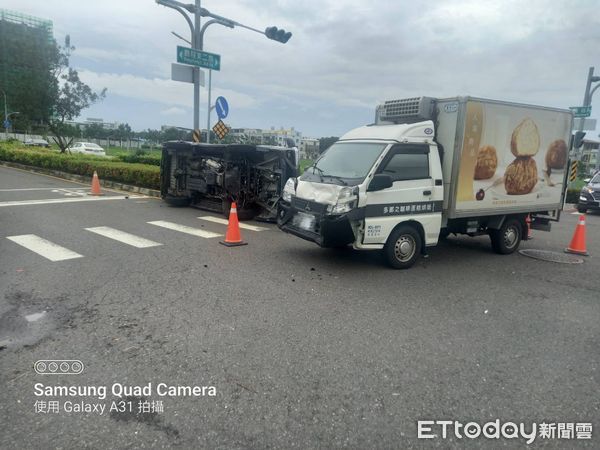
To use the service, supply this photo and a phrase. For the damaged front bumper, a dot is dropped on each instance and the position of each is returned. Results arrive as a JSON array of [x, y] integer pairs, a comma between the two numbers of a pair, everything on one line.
[[309, 220]]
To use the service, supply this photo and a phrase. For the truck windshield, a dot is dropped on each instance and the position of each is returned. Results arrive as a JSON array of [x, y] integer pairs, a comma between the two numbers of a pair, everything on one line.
[[347, 161]]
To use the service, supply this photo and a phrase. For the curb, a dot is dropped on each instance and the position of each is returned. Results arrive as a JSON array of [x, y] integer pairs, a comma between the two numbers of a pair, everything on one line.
[[83, 179]]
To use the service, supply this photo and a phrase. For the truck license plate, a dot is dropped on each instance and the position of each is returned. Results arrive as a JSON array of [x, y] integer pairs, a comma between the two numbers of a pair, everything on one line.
[[304, 221]]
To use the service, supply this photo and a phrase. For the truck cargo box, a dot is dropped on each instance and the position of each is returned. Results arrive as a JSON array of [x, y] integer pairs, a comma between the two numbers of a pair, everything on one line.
[[498, 157]]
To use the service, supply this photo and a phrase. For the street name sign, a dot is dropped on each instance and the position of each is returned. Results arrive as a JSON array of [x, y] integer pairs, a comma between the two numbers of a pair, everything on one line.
[[198, 58], [222, 107], [181, 72], [581, 111]]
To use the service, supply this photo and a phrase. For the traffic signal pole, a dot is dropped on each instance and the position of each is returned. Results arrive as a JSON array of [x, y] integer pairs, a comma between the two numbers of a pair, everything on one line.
[[197, 45], [197, 42]]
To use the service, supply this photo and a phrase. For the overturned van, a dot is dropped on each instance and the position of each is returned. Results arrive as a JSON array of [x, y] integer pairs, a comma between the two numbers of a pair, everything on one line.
[[211, 176]]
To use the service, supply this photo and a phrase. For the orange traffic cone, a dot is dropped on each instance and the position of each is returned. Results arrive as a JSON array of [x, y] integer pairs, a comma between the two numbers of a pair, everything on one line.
[[577, 244], [96, 185], [233, 237], [528, 222]]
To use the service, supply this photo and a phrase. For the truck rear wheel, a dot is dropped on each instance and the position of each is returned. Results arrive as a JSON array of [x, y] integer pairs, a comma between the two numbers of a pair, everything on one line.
[[507, 238], [403, 247]]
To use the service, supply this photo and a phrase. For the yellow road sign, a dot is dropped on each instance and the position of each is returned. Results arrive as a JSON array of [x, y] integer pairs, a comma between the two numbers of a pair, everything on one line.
[[220, 129], [573, 171], [196, 135]]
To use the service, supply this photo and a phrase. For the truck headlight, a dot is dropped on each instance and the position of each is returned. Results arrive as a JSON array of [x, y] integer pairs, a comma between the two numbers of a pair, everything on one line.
[[288, 190], [346, 201], [588, 189]]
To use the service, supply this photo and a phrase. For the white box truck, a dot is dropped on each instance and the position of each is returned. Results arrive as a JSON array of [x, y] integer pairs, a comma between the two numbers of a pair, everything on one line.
[[430, 167]]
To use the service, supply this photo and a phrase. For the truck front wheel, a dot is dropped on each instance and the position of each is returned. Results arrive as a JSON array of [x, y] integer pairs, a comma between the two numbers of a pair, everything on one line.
[[403, 247], [507, 238]]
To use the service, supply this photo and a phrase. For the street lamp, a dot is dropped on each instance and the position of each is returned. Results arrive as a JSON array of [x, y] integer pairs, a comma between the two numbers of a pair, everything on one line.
[[197, 43], [7, 114], [587, 101]]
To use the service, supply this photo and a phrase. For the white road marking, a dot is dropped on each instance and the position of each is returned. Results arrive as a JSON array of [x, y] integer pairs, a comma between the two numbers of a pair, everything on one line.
[[49, 201], [47, 249], [226, 222], [184, 229], [71, 192], [122, 236], [30, 189]]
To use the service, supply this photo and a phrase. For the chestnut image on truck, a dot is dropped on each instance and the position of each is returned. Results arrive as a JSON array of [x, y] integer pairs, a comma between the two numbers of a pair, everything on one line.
[[430, 167]]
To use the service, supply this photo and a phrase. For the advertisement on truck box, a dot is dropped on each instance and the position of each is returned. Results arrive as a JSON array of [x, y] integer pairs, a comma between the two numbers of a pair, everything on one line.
[[512, 156]]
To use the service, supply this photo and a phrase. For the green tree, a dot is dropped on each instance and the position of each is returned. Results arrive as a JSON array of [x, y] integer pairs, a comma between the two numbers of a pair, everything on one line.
[[174, 134], [123, 133], [94, 131], [326, 142], [72, 96]]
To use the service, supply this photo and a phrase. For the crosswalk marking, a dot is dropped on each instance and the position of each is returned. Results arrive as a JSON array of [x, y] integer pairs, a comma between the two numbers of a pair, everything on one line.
[[122, 236], [184, 229], [47, 249], [225, 222]]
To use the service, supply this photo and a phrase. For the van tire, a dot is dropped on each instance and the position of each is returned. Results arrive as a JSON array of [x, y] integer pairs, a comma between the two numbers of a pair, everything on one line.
[[507, 238], [177, 201], [403, 247]]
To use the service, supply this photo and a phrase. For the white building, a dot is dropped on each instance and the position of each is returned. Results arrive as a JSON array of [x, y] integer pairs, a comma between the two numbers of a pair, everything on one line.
[[309, 148], [280, 137]]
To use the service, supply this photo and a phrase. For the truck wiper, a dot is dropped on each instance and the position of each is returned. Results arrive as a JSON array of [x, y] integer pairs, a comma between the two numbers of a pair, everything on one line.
[[314, 167], [335, 177]]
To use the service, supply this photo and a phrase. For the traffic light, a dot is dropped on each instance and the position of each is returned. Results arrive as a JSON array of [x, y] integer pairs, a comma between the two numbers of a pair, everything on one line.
[[278, 35], [578, 139]]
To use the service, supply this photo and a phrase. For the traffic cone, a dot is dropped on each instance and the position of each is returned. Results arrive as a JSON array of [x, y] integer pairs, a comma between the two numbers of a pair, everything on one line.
[[233, 237], [577, 244], [96, 185], [528, 223]]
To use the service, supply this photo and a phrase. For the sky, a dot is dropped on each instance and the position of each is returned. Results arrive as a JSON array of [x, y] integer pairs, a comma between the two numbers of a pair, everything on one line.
[[344, 57]]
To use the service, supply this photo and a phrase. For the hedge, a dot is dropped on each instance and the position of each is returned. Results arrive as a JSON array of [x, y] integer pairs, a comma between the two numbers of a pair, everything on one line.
[[142, 175], [153, 160]]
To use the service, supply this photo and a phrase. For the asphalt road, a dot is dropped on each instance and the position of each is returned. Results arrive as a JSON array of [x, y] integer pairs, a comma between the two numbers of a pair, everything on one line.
[[305, 347]]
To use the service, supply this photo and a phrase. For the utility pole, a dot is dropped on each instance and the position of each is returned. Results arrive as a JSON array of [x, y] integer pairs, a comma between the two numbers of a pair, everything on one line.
[[5, 116]]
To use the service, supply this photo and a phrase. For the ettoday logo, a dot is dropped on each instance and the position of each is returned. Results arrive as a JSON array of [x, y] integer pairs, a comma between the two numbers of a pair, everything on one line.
[[432, 429]]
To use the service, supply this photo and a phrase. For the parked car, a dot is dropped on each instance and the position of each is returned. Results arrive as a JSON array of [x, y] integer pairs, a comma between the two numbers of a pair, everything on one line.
[[36, 143], [589, 198], [87, 148]]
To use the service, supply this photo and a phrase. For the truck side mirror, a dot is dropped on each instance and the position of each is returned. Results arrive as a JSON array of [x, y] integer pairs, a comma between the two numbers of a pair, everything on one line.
[[380, 181]]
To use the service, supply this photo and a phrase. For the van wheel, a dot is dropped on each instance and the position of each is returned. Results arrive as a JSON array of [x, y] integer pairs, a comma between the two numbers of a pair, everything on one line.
[[403, 247], [507, 239], [582, 209], [177, 201]]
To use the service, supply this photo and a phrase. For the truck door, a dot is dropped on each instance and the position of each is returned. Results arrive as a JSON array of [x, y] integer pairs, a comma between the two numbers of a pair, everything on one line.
[[416, 194]]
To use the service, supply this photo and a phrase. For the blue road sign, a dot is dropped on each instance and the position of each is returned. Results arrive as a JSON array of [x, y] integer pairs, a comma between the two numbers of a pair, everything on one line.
[[222, 107], [7, 123]]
